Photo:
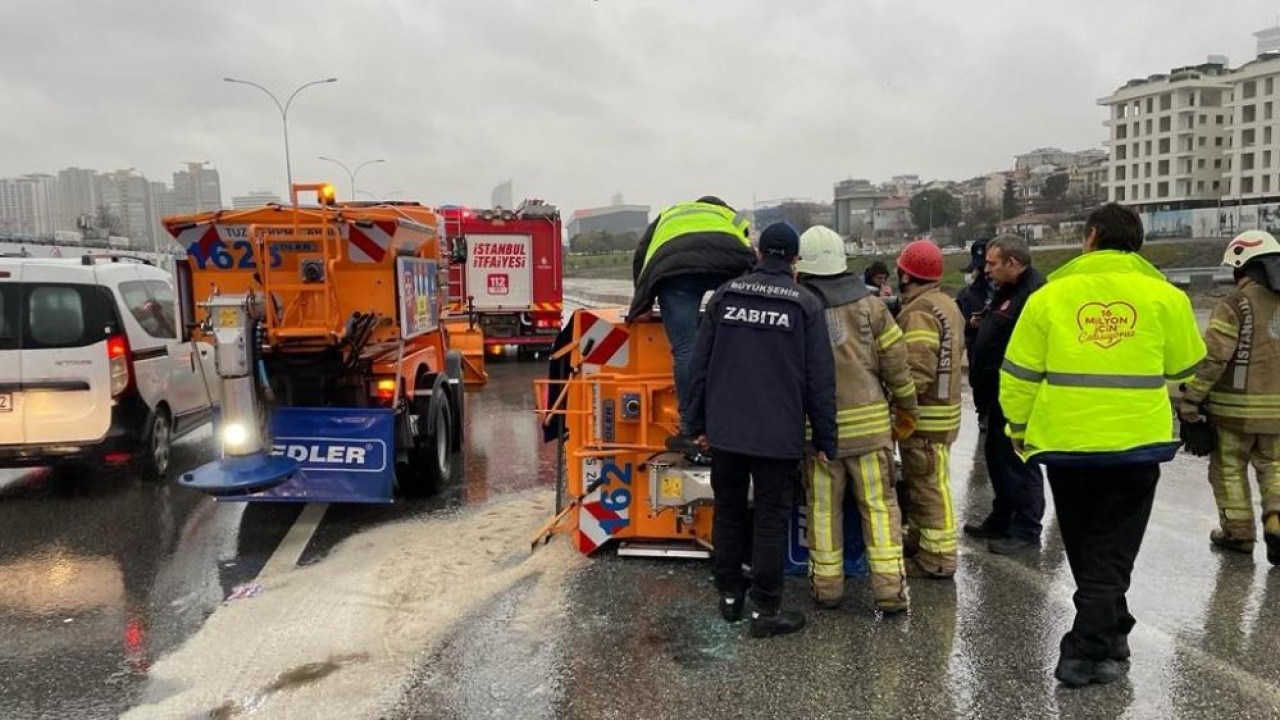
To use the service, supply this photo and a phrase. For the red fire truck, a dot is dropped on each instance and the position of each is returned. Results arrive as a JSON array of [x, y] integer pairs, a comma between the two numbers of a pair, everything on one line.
[[506, 270]]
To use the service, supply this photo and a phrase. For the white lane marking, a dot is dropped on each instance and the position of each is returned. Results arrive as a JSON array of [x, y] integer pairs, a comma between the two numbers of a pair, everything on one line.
[[289, 551]]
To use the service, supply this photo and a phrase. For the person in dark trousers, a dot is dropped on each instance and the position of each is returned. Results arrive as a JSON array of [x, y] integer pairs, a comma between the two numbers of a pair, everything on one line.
[[1084, 389], [689, 250], [975, 296], [761, 367], [973, 301], [1018, 508]]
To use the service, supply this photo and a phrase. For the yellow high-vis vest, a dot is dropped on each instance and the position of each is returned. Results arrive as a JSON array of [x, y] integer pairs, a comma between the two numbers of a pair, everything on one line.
[[696, 217], [1085, 377]]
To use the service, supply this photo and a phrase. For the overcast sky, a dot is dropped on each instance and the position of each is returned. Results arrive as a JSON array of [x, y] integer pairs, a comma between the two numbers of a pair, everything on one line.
[[577, 99]]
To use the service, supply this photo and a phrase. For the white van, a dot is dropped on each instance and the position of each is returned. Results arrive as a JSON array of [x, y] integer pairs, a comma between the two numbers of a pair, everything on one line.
[[94, 366]]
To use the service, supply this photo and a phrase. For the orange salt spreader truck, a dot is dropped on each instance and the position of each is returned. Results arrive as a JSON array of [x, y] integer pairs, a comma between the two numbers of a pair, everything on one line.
[[609, 402], [338, 380]]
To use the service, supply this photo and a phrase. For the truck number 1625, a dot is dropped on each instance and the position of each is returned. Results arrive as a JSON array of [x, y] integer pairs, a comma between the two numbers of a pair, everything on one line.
[[240, 256]]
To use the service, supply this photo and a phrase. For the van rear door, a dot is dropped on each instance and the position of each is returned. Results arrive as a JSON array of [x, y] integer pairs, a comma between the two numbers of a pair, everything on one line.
[[65, 386], [11, 427]]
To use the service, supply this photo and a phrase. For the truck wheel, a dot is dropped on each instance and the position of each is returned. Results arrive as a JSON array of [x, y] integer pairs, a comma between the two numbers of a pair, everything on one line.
[[431, 457], [440, 446]]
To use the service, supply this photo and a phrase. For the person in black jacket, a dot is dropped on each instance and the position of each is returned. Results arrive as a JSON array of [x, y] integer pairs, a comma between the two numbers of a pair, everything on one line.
[[973, 299], [762, 365], [1018, 508], [689, 250]]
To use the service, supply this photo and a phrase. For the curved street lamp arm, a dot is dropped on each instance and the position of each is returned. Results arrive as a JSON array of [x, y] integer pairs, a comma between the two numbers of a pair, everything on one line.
[[289, 102], [250, 83]]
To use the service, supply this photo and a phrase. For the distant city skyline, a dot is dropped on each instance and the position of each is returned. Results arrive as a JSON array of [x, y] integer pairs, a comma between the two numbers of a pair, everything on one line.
[[71, 202]]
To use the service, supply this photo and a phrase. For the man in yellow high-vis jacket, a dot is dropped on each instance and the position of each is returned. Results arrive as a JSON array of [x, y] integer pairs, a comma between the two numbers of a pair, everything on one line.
[[1084, 388], [689, 250]]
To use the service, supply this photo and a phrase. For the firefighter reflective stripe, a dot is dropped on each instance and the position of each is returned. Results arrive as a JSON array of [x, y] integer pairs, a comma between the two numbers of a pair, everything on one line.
[[861, 421], [905, 391], [939, 418], [941, 540], [1228, 472], [1240, 405], [891, 335], [927, 337], [694, 217], [1225, 328], [884, 553], [826, 549]]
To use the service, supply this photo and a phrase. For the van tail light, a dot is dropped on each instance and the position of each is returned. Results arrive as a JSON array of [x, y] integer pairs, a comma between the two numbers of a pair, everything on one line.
[[384, 390], [121, 365]]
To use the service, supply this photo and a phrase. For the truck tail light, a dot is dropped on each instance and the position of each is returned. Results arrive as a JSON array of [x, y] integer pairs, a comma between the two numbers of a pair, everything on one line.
[[384, 390], [121, 365], [545, 323]]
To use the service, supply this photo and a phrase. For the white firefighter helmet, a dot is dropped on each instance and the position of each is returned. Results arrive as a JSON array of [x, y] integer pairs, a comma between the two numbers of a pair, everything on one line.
[[821, 252], [1245, 247]]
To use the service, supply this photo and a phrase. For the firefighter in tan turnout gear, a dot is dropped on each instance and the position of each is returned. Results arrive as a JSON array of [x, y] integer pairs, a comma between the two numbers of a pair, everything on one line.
[[1240, 376], [933, 330], [871, 372]]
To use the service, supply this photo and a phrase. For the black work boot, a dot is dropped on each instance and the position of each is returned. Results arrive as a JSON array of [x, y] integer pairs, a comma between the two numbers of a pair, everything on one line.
[[1120, 648], [1271, 536], [776, 622], [1078, 673], [1220, 539], [1273, 548], [985, 530], [731, 605]]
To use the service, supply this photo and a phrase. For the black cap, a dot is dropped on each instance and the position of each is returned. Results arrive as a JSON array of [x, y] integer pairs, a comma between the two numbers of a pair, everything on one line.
[[978, 251], [780, 240]]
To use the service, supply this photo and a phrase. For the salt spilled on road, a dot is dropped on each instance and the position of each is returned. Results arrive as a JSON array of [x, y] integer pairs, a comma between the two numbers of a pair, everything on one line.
[[338, 639]]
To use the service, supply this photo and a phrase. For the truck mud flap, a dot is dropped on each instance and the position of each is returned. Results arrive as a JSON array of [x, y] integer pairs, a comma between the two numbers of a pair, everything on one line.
[[337, 455]]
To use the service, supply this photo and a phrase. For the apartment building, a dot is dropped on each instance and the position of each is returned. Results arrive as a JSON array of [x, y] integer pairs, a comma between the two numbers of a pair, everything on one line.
[[1168, 136], [1253, 141]]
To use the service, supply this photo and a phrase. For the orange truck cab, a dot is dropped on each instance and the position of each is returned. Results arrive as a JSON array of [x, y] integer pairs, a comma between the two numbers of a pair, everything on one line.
[[338, 378]]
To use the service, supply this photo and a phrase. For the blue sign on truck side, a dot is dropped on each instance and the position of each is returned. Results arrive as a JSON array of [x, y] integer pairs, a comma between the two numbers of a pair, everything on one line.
[[344, 455]]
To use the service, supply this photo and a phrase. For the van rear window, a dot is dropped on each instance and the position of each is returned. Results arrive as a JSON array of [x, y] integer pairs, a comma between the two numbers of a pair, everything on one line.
[[37, 316], [10, 304]]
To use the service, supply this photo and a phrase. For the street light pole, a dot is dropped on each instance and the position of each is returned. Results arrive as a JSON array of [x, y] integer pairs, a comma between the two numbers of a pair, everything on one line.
[[382, 199], [351, 174], [284, 115]]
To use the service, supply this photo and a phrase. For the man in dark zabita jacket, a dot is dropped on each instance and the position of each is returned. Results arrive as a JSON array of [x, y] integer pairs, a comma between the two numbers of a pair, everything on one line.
[[689, 250], [762, 366], [1018, 508]]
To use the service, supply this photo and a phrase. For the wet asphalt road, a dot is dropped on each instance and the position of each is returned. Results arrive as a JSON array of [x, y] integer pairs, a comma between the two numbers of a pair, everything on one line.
[[100, 579], [642, 638]]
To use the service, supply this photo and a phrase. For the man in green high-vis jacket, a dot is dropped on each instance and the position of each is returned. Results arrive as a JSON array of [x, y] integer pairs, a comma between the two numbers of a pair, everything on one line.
[[690, 249]]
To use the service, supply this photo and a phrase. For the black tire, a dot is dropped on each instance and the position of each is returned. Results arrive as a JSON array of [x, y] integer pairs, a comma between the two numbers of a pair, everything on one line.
[[429, 466], [155, 455], [440, 446]]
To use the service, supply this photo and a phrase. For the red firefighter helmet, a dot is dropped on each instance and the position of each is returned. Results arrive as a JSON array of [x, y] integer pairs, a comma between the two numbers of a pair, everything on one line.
[[921, 259]]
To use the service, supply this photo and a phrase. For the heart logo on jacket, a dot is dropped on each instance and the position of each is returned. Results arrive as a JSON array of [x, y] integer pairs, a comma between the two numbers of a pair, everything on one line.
[[1106, 324]]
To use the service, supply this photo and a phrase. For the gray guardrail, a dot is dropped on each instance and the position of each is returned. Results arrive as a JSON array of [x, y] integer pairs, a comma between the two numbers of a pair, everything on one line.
[[1200, 278]]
